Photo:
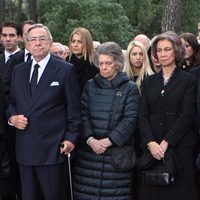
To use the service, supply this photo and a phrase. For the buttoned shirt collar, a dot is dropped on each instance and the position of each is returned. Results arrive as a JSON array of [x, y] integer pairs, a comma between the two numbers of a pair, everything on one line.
[[7, 54], [25, 54], [42, 64]]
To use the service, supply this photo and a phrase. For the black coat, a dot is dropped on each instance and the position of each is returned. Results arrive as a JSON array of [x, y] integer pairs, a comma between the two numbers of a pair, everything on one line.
[[167, 112], [16, 59], [196, 72], [10, 184], [7, 182], [84, 69], [94, 176]]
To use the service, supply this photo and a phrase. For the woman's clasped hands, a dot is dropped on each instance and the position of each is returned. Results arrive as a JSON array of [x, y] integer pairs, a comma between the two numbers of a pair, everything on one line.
[[100, 146], [158, 150]]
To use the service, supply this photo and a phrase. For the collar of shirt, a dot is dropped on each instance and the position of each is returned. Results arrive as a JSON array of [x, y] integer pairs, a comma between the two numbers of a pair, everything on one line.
[[25, 54], [8, 54], [42, 64]]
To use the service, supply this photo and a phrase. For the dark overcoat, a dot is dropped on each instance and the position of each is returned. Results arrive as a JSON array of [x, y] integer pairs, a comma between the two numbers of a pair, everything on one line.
[[167, 112], [84, 68]]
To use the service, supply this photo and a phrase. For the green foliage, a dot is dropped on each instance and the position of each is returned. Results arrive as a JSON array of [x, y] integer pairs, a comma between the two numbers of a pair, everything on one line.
[[145, 15], [190, 16], [105, 20]]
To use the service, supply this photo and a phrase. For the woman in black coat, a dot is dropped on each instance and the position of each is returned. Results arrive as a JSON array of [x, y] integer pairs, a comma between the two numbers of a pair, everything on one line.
[[82, 55], [109, 114], [165, 121]]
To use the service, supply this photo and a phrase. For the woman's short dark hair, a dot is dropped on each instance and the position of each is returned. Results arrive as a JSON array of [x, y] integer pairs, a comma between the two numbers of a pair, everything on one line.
[[176, 43], [114, 50]]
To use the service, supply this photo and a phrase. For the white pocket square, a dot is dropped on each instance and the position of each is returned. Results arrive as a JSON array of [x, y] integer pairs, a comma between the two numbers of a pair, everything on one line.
[[54, 83]]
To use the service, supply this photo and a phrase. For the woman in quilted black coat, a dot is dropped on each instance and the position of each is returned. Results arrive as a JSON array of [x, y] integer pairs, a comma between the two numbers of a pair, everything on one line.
[[109, 115]]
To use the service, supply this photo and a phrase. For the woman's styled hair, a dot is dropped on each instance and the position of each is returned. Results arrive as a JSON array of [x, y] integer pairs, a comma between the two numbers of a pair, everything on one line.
[[87, 40], [193, 42], [145, 69], [114, 50], [176, 43]]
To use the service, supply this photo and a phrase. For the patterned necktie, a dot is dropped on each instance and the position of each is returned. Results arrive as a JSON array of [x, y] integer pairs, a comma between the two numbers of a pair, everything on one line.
[[33, 83], [9, 58]]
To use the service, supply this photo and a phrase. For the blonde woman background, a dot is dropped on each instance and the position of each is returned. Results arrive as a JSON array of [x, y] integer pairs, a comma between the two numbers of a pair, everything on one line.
[[82, 55], [137, 64]]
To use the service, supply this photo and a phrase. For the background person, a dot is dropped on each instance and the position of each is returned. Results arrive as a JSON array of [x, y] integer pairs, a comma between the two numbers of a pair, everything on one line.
[[82, 55], [137, 64], [144, 40], [10, 36], [58, 49], [192, 51]]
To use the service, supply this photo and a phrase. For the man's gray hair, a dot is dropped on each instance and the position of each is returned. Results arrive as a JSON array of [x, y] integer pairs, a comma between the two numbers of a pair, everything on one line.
[[40, 26]]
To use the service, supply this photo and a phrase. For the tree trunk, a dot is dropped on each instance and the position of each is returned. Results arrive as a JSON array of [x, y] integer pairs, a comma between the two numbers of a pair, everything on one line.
[[19, 11], [33, 10], [171, 19]]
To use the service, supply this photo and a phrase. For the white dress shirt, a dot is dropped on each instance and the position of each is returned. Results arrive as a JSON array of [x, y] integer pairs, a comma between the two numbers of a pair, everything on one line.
[[42, 64]]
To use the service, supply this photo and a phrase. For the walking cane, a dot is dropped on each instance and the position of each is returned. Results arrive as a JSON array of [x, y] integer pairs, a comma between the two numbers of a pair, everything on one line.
[[70, 175]]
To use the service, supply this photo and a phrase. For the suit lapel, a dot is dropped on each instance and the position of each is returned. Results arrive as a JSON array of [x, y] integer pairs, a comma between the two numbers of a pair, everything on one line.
[[25, 82], [44, 82]]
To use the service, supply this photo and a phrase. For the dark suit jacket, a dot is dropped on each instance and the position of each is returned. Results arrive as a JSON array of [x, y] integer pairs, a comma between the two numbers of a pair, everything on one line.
[[53, 113], [167, 112], [2, 63], [16, 59]]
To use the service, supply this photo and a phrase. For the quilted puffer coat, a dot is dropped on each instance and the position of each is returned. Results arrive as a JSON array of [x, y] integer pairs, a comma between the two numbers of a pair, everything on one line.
[[94, 177]]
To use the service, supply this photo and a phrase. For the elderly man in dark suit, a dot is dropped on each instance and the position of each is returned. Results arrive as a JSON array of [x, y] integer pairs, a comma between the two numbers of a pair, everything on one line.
[[45, 109]]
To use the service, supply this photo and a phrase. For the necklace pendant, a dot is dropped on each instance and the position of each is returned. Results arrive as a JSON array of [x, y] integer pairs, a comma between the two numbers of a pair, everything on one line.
[[162, 92]]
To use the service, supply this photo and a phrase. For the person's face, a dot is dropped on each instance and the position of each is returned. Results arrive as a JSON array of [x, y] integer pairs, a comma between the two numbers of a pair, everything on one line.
[[66, 53], [136, 57], [165, 53], [57, 50], [9, 39], [156, 64], [107, 67], [77, 45], [38, 43], [188, 49]]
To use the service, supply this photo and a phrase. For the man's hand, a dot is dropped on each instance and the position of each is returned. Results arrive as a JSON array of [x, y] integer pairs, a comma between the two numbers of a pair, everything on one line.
[[19, 121], [66, 147]]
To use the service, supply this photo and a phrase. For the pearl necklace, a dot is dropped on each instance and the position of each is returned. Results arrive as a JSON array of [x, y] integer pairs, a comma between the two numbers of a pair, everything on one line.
[[166, 79]]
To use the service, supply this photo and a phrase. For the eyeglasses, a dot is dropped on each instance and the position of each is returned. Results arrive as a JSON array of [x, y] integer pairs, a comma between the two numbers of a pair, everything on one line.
[[107, 64], [41, 39]]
